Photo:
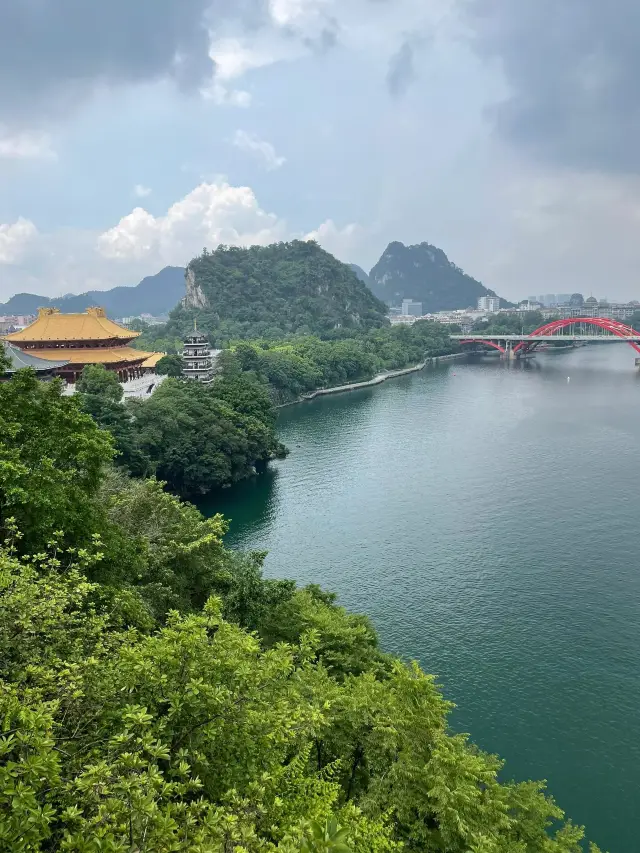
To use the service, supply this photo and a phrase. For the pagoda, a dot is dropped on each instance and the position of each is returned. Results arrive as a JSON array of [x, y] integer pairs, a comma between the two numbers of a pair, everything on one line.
[[197, 357], [77, 340]]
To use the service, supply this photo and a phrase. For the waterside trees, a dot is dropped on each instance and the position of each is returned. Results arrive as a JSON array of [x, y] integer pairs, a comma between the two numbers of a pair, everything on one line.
[[158, 694]]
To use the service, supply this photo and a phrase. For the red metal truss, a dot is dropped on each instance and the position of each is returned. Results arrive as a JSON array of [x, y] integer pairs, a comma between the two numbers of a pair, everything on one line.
[[615, 327], [486, 343]]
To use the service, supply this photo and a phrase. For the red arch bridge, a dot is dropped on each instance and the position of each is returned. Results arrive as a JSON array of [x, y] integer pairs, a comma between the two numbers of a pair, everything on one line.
[[573, 330]]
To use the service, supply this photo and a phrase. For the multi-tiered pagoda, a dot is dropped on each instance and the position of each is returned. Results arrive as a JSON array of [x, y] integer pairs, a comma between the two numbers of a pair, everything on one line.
[[75, 340], [197, 357]]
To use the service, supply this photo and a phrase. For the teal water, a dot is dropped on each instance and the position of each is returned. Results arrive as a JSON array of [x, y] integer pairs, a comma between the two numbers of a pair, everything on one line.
[[486, 517]]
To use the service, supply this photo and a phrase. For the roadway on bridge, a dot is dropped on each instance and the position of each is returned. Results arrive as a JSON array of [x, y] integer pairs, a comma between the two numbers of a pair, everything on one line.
[[480, 336]]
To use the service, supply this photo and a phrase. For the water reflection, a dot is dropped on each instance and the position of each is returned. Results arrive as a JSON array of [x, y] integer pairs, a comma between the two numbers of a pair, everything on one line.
[[482, 513]]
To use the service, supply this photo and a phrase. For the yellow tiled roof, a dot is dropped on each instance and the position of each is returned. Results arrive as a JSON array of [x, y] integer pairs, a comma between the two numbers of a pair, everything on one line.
[[153, 359], [51, 325], [78, 355]]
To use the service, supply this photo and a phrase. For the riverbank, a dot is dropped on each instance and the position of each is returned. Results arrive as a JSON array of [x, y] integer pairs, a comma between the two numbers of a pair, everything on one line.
[[354, 386], [377, 380]]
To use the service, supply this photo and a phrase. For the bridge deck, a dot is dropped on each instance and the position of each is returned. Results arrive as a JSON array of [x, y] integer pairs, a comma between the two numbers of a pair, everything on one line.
[[478, 336]]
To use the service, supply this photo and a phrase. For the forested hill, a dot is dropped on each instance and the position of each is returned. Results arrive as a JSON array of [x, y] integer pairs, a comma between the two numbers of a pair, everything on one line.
[[360, 273], [423, 272], [274, 291], [155, 294]]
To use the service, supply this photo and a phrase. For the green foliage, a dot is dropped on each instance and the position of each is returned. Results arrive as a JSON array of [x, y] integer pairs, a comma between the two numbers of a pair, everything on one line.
[[176, 558], [51, 459], [157, 338], [170, 365], [158, 694], [192, 737], [5, 362], [304, 364], [193, 437], [196, 439], [100, 395], [509, 324], [275, 291]]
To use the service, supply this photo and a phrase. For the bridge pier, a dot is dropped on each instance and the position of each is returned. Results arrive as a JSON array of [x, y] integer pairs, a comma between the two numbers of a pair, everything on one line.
[[509, 354]]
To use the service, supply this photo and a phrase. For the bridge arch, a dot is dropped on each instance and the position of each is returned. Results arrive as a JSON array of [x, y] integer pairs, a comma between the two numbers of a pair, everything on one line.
[[486, 343], [615, 327]]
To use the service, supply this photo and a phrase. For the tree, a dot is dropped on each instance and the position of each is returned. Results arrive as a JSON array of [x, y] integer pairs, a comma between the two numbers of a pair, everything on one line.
[[170, 365], [180, 557], [274, 291], [52, 456], [158, 694], [198, 441], [100, 395], [193, 737], [5, 363]]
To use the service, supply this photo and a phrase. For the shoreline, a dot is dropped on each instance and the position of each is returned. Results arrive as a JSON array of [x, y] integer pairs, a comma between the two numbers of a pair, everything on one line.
[[376, 380]]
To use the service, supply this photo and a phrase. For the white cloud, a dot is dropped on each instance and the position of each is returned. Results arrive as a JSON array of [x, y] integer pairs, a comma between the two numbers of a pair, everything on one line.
[[140, 191], [223, 95], [26, 146], [259, 148], [564, 232], [15, 238], [234, 56], [295, 13], [345, 243], [211, 214], [77, 260]]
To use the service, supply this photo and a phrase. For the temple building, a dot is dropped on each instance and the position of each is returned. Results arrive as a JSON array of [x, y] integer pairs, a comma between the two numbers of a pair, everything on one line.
[[18, 360], [71, 341]]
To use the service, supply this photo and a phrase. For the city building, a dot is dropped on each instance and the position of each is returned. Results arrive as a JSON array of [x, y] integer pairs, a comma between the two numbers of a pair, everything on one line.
[[401, 320], [489, 303], [198, 358], [528, 305], [89, 338], [14, 322], [411, 308]]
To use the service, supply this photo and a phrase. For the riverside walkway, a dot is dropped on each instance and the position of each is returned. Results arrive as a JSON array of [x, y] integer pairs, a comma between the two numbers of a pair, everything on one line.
[[353, 386]]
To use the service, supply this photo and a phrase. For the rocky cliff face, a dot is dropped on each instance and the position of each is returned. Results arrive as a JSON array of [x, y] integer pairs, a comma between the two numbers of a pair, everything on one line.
[[194, 297], [424, 273]]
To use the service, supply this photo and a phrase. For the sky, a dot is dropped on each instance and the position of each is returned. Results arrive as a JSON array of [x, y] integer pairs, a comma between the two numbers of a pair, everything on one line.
[[134, 134]]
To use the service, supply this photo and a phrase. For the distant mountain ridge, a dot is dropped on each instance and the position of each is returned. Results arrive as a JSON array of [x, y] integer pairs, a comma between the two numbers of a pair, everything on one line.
[[424, 273], [362, 275], [156, 294]]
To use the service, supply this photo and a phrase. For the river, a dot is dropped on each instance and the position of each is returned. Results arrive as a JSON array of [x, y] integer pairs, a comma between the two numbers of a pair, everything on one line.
[[485, 516]]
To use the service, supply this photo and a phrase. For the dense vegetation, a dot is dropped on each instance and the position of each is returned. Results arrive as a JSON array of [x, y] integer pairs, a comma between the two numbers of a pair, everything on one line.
[[304, 364], [423, 272], [195, 437], [156, 294], [198, 438], [158, 694], [508, 324], [272, 292]]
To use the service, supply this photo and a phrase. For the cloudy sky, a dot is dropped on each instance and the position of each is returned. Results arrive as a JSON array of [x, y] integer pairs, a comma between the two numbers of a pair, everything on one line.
[[135, 132]]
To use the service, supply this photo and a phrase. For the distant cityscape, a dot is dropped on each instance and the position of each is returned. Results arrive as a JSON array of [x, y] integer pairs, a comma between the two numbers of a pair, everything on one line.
[[550, 305]]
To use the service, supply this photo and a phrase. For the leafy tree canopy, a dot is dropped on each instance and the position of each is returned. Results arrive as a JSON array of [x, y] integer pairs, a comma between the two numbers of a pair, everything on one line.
[[271, 292], [51, 458], [170, 365], [158, 694]]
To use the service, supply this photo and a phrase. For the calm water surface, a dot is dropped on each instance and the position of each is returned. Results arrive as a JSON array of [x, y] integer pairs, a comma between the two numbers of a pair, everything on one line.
[[486, 517]]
